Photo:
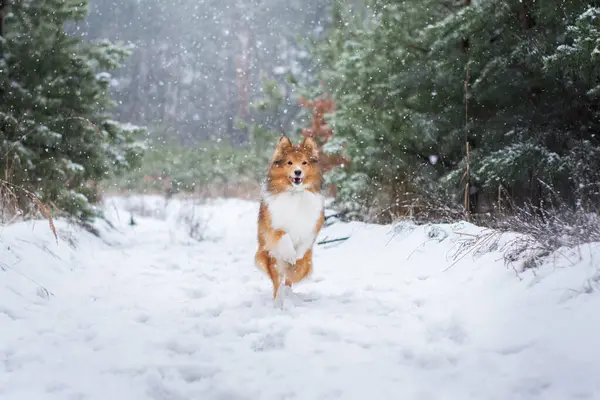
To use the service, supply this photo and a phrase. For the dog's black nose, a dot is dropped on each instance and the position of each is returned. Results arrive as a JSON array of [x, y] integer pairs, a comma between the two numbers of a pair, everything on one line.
[[298, 172]]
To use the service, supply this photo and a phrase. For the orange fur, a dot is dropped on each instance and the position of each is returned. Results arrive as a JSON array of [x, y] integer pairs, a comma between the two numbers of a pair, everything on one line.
[[287, 159], [278, 175]]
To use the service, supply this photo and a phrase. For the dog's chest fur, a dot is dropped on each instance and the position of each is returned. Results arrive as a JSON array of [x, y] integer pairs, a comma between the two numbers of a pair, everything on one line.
[[296, 213]]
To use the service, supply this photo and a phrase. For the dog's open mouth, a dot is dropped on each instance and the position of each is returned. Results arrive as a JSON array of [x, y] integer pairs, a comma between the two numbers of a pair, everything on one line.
[[296, 180]]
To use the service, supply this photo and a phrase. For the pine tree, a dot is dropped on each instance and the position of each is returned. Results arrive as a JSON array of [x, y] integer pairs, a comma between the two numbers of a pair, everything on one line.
[[57, 134], [372, 65], [526, 116], [415, 81]]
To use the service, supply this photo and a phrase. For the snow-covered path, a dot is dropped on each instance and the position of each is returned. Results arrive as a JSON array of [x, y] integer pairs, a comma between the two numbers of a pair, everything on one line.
[[154, 316]]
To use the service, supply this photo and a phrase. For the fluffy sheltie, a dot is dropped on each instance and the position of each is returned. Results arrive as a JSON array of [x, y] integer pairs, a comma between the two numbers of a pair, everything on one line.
[[290, 215]]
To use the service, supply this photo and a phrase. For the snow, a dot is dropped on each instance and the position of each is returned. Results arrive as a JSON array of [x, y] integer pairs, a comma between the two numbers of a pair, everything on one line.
[[147, 312], [279, 70], [73, 166]]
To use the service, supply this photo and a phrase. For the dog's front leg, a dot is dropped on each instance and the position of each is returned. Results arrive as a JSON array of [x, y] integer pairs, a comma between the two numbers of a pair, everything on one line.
[[283, 248]]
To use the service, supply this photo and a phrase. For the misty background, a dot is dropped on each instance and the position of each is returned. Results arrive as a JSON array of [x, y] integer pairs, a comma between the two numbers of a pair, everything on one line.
[[197, 66]]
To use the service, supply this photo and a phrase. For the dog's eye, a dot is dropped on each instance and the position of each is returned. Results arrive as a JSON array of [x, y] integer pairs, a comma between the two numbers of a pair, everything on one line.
[[304, 163], [290, 163]]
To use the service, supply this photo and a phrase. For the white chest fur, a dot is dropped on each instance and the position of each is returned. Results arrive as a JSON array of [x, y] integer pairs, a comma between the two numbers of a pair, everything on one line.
[[296, 213]]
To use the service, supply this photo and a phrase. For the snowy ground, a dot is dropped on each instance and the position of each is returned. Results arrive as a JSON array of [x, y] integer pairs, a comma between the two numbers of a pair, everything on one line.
[[150, 313]]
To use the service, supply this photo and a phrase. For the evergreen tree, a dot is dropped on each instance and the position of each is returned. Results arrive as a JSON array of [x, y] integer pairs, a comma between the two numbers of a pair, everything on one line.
[[373, 64], [415, 81], [56, 133], [525, 119]]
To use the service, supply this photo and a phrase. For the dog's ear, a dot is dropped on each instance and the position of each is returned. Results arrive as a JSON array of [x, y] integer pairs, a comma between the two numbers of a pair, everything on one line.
[[283, 146], [310, 146], [284, 143]]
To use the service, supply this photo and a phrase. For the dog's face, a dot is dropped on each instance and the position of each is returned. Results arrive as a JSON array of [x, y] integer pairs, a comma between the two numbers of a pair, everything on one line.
[[295, 167]]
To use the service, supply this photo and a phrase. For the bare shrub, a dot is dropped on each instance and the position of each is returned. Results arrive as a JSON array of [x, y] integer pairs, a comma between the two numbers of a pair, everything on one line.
[[423, 209], [536, 234], [139, 206], [474, 244], [194, 220], [525, 235], [12, 209], [554, 227], [545, 231]]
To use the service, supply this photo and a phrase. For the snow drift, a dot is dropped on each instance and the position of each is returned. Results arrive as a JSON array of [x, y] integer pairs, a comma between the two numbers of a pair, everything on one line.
[[172, 307]]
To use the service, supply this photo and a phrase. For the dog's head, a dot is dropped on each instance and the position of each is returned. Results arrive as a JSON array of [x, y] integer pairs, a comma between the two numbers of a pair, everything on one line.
[[295, 167]]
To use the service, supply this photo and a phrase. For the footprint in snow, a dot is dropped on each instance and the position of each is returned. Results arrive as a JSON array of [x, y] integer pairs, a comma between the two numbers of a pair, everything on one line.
[[142, 318], [194, 293], [196, 373], [181, 348], [418, 303], [56, 387], [269, 341], [9, 313], [211, 330], [326, 334], [172, 267], [514, 349], [447, 330], [157, 390], [531, 387], [306, 297]]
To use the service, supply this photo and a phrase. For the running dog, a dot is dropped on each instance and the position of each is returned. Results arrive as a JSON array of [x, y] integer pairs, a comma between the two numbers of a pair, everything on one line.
[[291, 214]]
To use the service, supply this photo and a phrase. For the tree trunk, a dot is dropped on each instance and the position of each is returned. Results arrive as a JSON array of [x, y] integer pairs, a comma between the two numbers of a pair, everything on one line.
[[3, 4], [526, 18], [243, 64]]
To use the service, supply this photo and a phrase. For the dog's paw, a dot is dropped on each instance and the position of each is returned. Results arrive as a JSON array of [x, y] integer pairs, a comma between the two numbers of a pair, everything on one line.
[[285, 249], [286, 298], [279, 300]]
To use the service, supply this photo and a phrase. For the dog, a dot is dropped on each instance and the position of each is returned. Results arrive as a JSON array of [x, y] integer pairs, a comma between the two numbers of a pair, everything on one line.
[[291, 214]]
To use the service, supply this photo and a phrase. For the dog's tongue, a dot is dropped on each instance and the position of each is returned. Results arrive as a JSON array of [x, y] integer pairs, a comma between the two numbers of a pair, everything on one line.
[[297, 180]]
